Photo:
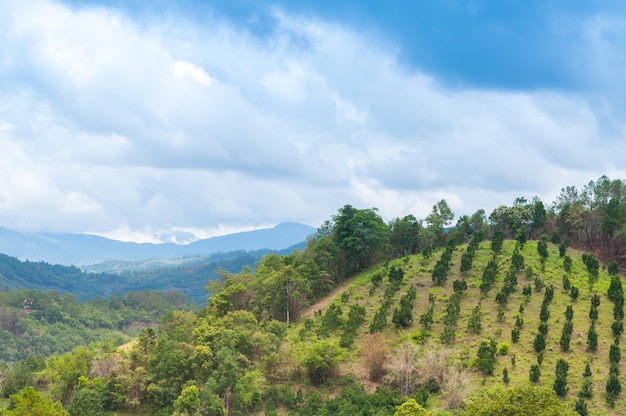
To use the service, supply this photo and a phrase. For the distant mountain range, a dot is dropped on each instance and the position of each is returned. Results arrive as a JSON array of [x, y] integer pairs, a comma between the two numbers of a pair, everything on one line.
[[85, 249]]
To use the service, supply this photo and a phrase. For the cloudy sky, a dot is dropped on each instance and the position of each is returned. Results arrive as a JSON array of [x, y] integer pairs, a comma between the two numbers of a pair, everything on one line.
[[132, 118]]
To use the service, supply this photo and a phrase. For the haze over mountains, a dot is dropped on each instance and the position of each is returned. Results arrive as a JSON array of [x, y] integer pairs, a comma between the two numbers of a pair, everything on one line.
[[85, 249]]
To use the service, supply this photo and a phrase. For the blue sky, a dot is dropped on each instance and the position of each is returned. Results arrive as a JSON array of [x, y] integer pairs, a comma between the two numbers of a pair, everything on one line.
[[132, 119]]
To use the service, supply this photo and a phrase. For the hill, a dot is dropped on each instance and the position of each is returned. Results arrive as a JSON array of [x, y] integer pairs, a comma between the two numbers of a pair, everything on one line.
[[85, 249], [456, 324]]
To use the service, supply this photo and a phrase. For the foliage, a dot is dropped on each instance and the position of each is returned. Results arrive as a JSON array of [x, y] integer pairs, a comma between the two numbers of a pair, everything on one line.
[[321, 360], [474, 325], [30, 402], [410, 408], [520, 401], [34, 322], [560, 381], [486, 356], [535, 373], [489, 276]]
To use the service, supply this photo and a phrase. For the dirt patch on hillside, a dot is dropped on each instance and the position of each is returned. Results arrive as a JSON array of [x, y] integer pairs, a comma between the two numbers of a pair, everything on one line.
[[327, 300]]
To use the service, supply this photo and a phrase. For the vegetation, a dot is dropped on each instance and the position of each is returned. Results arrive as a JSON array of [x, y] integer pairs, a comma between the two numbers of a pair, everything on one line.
[[43, 323], [272, 341]]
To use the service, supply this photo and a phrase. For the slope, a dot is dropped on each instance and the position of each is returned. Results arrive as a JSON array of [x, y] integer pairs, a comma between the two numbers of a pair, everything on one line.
[[498, 319]]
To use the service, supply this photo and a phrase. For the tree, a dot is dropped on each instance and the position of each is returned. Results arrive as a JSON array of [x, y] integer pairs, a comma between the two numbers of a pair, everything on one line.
[[616, 291], [542, 249], [188, 401], [560, 382], [86, 402], [404, 235], [361, 235], [496, 241], [321, 360], [474, 324], [410, 408], [486, 356], [592, 338], [440, 217], [517, 260], [520, 401], [535, 373], [613, 386], [29, 402]]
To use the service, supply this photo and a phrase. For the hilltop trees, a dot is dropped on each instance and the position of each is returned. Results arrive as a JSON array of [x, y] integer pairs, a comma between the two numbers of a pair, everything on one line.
[[361, 236]]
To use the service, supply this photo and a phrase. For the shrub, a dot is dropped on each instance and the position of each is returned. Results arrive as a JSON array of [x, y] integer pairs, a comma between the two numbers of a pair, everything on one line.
[[486, 356], [535, 373], [560, 381], [503, 349]]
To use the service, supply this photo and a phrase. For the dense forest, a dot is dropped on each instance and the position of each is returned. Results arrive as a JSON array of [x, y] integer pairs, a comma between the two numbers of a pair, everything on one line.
[[187, 275], [520, 310]]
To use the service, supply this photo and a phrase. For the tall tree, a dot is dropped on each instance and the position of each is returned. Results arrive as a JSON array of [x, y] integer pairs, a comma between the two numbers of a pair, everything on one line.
[[361, 235], [440, 217], [404, 235]]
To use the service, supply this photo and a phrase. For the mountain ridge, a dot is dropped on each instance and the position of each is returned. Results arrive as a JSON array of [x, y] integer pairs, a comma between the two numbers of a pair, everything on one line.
[[85, 249]]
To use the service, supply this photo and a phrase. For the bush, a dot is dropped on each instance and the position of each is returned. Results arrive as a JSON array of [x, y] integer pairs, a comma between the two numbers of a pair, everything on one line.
[[321, 360], [515, 335], [486, 356], [503, 349], [592, 339], [539, 344], [567, 264], [560, 381], [535, 373]]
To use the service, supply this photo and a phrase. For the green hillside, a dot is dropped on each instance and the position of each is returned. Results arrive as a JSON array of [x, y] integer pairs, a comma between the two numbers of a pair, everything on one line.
[[497, 321]]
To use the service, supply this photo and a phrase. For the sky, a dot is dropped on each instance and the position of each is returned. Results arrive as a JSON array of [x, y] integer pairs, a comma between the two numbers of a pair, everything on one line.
[[133, 119]]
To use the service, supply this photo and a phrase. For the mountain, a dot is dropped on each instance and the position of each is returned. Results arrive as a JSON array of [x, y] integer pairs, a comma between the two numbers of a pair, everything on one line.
[[84, 249]]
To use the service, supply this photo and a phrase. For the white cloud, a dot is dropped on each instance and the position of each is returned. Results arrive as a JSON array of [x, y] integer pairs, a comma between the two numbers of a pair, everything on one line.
[[137, 129], [184, 69]]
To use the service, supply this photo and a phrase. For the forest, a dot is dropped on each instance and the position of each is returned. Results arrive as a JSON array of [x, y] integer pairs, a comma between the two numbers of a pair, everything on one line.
[[522, 309], [187, 275]]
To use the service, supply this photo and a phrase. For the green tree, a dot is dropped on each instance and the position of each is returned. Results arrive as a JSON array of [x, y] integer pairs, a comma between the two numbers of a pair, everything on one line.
[[321, 360], [519, 401], [496, 241], [404, 235], [188, 401], [592, 338], [486, 356], [410, 408], [474, 324], [29, 402], [86, 402], [535, 373], [560, 382], [441, 216], [361, 235]]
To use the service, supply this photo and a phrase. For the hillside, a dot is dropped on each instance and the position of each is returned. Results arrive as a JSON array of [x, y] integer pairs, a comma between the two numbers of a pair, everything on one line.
[[496, 322]]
